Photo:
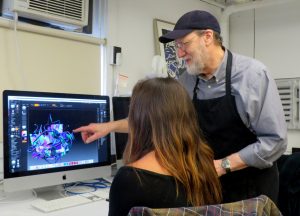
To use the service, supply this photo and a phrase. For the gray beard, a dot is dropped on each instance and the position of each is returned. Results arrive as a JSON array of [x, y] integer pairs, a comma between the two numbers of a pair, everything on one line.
[[195, 69]]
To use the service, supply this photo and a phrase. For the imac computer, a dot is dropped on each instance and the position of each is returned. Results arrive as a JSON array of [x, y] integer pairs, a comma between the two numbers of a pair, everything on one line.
[[40, 147], [120, 111]]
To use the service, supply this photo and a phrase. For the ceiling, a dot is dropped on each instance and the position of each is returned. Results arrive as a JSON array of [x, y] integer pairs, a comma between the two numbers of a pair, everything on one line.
[[226, 3]]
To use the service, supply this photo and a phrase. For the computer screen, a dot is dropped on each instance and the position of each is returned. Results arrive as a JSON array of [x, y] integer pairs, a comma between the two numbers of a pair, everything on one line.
[[120, 111], [40, 147]]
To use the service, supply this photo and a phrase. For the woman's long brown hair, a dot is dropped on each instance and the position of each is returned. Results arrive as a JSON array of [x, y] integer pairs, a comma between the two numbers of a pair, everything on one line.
[[162, 118]]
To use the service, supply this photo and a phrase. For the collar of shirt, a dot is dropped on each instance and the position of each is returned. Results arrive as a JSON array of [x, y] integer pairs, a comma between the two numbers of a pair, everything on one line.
[[220, 73]]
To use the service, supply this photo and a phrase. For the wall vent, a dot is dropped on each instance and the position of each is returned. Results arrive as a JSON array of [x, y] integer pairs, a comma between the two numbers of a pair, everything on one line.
[[289, 95]]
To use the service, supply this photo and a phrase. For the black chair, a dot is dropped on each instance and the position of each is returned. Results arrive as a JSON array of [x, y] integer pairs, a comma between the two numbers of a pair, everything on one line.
[[258, 206], [289, 184]]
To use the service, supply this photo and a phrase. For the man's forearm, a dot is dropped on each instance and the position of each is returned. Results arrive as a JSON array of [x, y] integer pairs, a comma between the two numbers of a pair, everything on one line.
[[120, 126]]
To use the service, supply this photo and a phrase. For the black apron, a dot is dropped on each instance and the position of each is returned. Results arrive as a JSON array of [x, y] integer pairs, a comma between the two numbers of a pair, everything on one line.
[[226, 133]]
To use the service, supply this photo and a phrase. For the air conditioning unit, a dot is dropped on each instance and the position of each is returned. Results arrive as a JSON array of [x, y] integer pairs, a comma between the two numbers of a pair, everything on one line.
[[66, 13]]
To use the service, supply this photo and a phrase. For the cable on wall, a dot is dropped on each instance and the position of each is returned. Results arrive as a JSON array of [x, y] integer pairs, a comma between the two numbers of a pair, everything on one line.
[[20, 71], [254, 32]]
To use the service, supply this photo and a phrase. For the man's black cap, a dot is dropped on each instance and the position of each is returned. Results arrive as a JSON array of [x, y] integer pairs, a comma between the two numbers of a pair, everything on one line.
[[189, 22]]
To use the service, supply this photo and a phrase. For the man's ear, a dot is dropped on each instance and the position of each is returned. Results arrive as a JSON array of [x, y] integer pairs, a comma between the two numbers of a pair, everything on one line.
[[208, 37]]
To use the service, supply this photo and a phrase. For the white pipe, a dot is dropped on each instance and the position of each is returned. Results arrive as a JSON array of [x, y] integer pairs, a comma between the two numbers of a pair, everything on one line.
[[242, 7], [214, 3], [252, 5]]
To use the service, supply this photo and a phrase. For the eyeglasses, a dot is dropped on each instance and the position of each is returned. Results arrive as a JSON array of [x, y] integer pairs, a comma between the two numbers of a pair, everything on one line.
[[183, 45]]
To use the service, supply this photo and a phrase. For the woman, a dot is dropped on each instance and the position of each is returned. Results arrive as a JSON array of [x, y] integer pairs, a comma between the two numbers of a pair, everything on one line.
[[166, 162]]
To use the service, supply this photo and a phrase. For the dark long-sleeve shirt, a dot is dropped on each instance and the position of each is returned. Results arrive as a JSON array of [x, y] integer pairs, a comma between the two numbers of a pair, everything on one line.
[[137, 187]]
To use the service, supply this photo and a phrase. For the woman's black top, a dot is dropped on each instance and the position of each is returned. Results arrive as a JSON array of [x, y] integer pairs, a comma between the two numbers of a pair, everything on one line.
[[138, 187]]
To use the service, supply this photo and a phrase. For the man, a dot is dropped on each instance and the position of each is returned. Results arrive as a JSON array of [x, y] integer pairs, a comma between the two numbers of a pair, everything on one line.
[[238, 105]]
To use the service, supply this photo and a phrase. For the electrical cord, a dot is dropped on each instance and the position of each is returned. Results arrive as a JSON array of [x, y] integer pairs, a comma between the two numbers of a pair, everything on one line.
[[116, 90], [18, 54], [74, 188]]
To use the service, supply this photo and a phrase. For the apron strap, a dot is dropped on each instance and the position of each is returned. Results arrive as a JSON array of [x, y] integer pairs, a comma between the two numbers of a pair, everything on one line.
[[228, 73], [195, 89]]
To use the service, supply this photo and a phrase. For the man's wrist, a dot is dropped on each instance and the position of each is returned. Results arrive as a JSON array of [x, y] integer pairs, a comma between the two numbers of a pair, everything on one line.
[[226, 165]]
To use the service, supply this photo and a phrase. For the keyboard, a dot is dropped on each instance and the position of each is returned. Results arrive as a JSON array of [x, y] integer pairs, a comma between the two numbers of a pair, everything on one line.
[[60, 203], [102, 193], [70, 201]]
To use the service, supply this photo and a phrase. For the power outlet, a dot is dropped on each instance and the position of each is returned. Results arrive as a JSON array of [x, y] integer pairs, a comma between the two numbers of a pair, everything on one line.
[[115, 55]]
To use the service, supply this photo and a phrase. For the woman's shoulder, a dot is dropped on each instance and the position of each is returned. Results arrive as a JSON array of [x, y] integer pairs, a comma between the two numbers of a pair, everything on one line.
[[125, 171], [131, 172]]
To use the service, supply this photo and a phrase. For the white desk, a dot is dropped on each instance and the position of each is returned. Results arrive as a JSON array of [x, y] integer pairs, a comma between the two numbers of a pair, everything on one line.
[[19, 204]]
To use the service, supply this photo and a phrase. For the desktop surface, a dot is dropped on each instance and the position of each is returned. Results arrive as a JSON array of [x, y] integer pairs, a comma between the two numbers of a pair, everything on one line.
[[20, 204]]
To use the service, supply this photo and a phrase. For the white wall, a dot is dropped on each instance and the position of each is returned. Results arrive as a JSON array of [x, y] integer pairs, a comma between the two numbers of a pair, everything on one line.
[[271, 34], [130, 24]]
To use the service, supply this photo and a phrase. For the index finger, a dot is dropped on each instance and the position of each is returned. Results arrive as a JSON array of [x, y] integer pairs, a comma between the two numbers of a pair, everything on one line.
[[80, 129]]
